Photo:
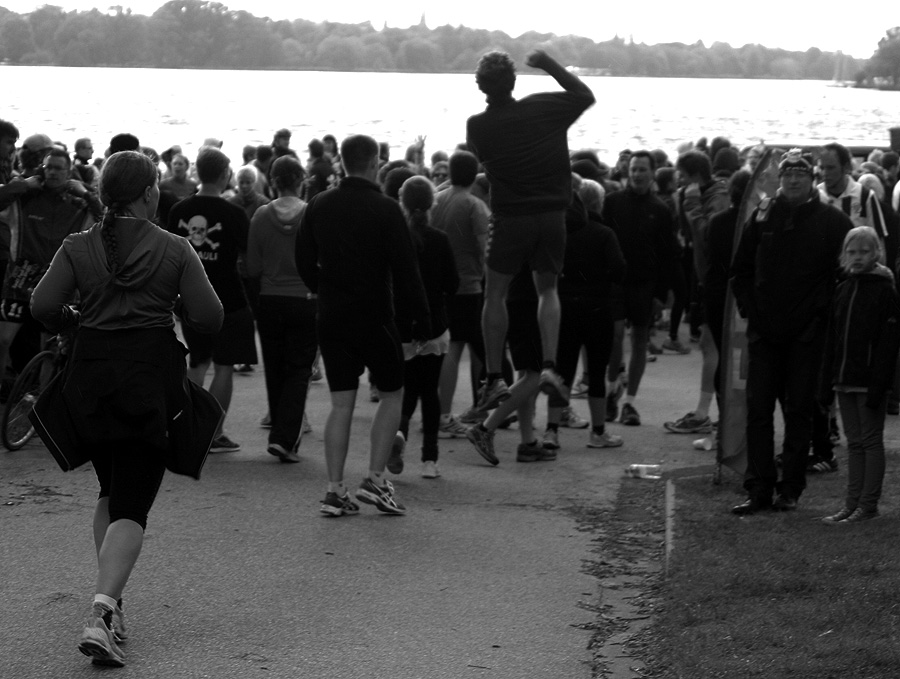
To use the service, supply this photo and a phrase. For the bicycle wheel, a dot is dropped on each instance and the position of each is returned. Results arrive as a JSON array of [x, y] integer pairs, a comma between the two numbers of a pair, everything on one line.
[[16, 429]]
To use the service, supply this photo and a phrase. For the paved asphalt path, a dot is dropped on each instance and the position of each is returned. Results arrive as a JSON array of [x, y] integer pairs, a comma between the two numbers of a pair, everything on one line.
[[241, 577]]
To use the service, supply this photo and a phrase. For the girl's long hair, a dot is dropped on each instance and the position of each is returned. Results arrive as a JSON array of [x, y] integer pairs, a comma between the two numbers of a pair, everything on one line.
[[417, 197]]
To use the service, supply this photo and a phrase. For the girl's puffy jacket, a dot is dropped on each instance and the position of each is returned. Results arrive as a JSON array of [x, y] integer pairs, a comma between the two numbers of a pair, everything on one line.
[[863, 335]]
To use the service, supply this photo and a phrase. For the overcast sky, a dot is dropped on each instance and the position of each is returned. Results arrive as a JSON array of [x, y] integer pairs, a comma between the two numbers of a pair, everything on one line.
[[790, 24]]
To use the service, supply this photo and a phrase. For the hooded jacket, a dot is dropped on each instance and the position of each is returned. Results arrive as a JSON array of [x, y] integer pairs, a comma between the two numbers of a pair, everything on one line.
[[271, 245], [156, 268], [863, 335], [786, 268], [593, 257]]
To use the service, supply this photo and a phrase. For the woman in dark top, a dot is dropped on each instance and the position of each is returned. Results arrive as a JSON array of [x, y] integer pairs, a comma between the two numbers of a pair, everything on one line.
[[423, 359], [127, 368]]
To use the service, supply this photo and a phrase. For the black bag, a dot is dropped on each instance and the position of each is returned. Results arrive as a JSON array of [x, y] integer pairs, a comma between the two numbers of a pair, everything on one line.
[[53, 423], [192, 430]]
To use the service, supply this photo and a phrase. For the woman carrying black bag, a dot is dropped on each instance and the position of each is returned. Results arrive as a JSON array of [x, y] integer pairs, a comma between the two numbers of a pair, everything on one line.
[[125, 379]]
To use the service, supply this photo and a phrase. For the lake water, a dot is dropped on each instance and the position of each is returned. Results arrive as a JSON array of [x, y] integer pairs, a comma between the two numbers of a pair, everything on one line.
[[166, 107]]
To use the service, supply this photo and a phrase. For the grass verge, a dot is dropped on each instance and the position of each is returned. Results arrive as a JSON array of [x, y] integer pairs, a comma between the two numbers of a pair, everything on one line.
[[775, 594]]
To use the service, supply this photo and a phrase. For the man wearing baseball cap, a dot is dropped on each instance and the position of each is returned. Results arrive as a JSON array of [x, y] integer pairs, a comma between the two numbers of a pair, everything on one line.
[[784, 275]]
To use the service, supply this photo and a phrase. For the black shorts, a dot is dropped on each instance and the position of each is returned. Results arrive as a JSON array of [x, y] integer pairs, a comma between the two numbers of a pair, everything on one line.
[[524, 336], [234, 344], [464, 314], [633, 302], [537, 239], [347, 350]]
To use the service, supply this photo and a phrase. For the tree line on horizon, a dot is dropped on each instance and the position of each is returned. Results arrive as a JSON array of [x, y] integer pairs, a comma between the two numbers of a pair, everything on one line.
[[207, 35]]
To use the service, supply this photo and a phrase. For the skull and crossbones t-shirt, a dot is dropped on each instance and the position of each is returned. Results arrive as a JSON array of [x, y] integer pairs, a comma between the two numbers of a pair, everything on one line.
[[218, 231]]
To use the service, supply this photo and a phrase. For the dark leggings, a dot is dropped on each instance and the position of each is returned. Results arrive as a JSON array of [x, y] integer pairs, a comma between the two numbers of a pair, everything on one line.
[[420, 381], [130, 473], [586, 322], [681, 291]]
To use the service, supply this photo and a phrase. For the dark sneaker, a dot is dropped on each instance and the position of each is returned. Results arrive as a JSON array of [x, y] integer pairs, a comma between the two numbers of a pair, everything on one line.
[[818, 465], [838, 516], [675, 346], [493, 395], [534, 452], [859, 514], [552, 384], [98, 641], [483, 440], [335, 505], [630, 415], [473, 415], [395, 461], [380, 496], [784, 503], [690, 424], [653, 350], [751, 505], [223, 444], [266, 421], [282, 453]]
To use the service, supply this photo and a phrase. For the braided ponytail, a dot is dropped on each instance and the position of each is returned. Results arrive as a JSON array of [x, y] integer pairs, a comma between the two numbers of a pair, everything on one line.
[[124, 178]]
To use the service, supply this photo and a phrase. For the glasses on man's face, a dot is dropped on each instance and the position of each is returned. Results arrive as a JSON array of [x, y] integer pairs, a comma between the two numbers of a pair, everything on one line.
[[795, 174]]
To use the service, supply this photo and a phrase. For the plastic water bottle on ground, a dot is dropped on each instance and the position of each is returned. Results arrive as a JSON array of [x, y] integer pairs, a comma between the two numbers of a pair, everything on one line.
[[643, 471]]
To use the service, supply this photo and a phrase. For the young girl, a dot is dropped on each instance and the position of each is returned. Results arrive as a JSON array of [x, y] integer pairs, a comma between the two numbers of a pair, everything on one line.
[[424, 358], [860, 354]]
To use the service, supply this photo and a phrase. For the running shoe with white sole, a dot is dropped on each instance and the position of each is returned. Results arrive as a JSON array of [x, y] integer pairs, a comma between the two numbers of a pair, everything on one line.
[[380, 496], [604, 440], [572, 420], [551, 440], [98, 641], [430, 470], [452, 428], [690, 424], [553, 385], [335, 505]]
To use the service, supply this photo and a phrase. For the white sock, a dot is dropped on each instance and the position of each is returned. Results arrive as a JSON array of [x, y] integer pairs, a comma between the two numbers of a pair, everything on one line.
[[445, 418], [629, 399], [105, 601]]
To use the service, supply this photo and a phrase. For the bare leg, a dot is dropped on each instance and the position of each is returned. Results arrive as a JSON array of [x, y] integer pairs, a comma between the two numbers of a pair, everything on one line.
[[640, 335], [524, 389], [222, 386], [449, 376], [337, 433], [118, 554], [197, 374], [708, 371], [494, 320], [384, 428], [548, 314]]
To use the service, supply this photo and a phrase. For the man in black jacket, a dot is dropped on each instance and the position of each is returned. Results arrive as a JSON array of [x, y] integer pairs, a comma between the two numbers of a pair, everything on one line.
[[783, 276], [354, 250]]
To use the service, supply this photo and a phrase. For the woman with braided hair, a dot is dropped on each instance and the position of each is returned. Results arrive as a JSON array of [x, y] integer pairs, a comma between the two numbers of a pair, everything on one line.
[[126, 367]]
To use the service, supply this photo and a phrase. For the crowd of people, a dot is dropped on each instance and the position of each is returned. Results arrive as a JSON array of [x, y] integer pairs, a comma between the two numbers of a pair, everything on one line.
[[537, 258]]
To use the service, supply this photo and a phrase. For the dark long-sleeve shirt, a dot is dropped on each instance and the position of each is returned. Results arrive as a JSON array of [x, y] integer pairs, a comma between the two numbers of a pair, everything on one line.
[[355, 251]]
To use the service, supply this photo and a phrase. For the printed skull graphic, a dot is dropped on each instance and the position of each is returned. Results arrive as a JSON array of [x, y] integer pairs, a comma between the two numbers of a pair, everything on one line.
[[198, 231]]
